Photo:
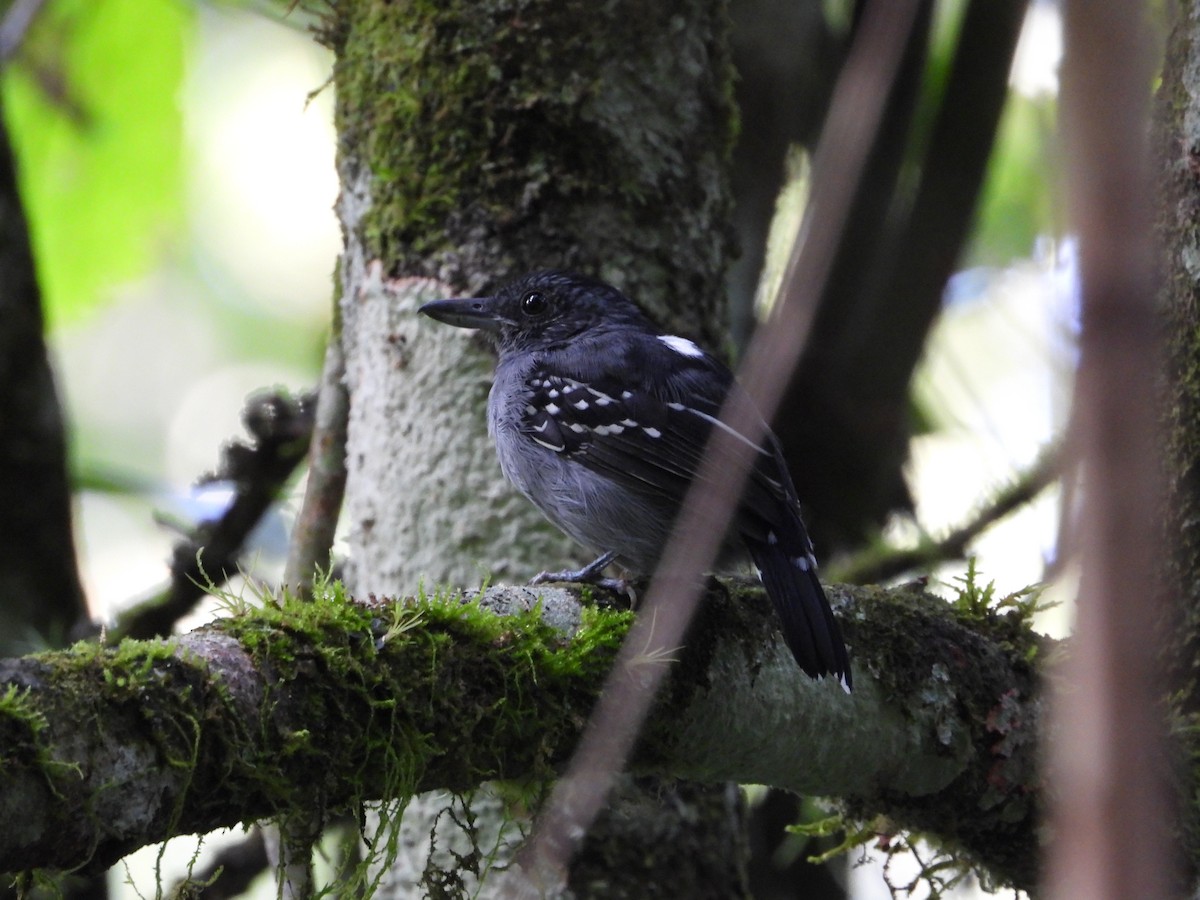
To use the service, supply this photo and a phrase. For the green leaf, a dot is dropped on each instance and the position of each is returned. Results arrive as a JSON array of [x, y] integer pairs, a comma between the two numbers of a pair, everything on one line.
[[92, 107]]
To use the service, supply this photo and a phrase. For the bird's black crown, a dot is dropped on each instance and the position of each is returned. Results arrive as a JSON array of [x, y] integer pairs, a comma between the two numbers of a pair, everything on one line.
[[552, 307]]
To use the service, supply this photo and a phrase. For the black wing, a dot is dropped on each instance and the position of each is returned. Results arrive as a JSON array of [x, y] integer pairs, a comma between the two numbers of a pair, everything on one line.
[[641, 416]]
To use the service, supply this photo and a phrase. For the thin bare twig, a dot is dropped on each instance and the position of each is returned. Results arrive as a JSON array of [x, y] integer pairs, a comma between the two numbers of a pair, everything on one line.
[[313, 532], [280, 427], [874, 566], [1110, 802], [853, 118]]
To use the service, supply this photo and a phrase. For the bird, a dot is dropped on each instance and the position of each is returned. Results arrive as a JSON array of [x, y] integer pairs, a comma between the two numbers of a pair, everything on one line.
[[600, 418]]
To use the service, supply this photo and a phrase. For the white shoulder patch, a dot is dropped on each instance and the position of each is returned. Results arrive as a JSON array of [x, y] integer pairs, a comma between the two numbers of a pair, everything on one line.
[[681, 345]]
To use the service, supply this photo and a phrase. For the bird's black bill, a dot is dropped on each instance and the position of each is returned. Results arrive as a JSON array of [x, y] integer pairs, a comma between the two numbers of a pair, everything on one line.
[[472, 312]]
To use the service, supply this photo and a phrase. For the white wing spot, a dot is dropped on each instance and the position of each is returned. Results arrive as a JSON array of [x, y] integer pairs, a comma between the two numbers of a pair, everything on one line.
[[681, 345], [578, 428], [580, 405], [625, 395], [629, 423], [652, 432], [552, 409], [801, 563], [604, 430], [772, 538], [530, 409], [553, 394], [678, 407]]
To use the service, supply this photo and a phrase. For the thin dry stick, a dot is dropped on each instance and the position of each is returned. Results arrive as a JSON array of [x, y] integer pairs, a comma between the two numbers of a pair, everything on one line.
[[1110, 801], [674, 591], [874, 566], [313, 533], [310, 546]]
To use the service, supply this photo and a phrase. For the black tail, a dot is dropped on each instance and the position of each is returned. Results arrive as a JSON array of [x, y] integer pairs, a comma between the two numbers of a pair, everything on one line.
[[788, 572]]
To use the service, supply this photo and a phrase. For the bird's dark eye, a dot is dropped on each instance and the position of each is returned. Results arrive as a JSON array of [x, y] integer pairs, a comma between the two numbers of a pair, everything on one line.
[[534, 303]]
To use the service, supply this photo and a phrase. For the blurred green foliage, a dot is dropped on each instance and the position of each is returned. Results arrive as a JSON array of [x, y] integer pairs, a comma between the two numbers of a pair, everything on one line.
[[1019, 200], [92, 105]]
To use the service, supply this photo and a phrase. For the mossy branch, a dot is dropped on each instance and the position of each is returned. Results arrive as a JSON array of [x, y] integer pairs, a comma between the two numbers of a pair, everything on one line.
[[335, 702]]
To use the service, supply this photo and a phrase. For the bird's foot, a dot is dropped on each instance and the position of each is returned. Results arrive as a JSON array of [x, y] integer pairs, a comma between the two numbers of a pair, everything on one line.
[[590, 574]]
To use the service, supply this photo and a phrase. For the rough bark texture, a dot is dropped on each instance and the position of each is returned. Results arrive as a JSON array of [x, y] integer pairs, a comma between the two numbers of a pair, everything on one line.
[[110, 749], [478, 141], [490, 138], [1178, 143]]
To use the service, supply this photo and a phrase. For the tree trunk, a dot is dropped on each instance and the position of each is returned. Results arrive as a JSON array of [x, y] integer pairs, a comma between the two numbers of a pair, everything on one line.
[[1177, 142], [478, 143]]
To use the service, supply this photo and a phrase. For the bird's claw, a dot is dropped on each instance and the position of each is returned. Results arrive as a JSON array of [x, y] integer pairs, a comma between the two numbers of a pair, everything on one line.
[[590, 574]]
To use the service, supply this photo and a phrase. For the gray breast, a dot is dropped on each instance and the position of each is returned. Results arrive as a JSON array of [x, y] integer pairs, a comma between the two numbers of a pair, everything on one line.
[[600, 514]]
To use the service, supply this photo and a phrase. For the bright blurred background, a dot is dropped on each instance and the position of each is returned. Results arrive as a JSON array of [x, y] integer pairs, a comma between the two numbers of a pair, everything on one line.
[[178, 168], [184, 228]]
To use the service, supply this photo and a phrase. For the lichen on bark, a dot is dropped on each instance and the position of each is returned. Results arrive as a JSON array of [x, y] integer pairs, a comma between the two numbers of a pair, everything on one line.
[[503, 136], [325, 705], [317, 705]]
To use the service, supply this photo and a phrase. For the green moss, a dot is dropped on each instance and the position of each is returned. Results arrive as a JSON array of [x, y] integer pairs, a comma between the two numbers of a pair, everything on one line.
[[381, 665], [446, 101], [490, 137], [948, 659], [967, 671], [342, 703], [21, 726]]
